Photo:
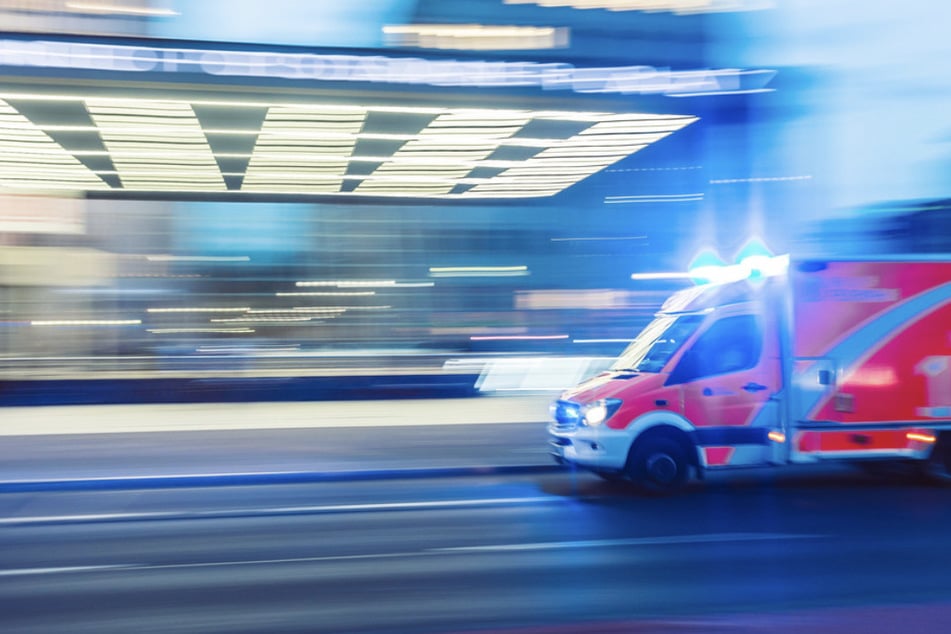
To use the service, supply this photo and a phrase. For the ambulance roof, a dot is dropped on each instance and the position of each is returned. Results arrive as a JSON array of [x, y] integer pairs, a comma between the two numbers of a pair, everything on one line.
[[706, 297]]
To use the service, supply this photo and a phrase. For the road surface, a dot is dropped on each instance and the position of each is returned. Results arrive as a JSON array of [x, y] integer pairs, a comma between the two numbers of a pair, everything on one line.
[[502, 543]]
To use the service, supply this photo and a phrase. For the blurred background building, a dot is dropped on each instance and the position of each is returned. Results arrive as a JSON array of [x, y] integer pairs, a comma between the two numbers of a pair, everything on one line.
[[300, 185]]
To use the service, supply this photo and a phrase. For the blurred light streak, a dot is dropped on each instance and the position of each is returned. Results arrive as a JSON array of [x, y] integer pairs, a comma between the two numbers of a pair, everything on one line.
[[246, 349], [348, 283], [202, 309], [516, 337], [114, 291], [327, 294], [602, 340], [478, 271], [776, 436], [671, 275], [679, 7], [599, 238], [121, 9], [760, 179], [654, 169], [312, 309], [260, 320], [703, 93], [87, 322], [654, 198], [475, 36], [160, 275], [198, 258], [171, 331], [922, 437]]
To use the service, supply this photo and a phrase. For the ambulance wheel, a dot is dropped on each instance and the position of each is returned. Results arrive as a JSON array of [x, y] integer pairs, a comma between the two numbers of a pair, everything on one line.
[[658, 464]]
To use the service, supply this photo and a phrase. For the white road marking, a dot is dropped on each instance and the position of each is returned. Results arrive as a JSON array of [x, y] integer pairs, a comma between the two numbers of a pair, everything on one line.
[[633, 541], [63, 569], [91, 517], [594, 543], [289, 560], [282, 510]]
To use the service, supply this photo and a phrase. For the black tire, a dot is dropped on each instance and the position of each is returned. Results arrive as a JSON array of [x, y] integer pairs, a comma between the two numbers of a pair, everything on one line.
[[658, 464]]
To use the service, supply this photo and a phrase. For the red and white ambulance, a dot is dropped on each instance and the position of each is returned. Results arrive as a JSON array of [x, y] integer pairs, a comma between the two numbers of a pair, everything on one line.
[[828, 360]]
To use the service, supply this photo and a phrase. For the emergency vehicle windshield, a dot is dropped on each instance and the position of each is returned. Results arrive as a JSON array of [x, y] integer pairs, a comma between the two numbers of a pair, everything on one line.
[[657, 343]]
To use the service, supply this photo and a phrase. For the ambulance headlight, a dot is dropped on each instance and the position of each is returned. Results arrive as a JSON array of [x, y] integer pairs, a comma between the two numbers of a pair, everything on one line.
[[593, 414]]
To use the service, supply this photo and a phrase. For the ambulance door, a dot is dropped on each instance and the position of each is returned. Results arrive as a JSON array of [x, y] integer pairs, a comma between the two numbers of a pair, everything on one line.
[[729, 380]]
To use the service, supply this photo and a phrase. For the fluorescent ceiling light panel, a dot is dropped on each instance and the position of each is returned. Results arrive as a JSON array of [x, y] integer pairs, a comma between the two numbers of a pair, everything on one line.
[[132, 130], [309, 149], [292, 137], [31, 159], [594, 149], [454, 141]]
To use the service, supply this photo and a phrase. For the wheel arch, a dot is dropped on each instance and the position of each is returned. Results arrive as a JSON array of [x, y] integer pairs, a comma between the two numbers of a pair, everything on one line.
[[664, 424]]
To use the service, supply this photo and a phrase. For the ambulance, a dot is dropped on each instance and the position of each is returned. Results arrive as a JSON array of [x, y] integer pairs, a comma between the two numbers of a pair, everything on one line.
[[786, 362]]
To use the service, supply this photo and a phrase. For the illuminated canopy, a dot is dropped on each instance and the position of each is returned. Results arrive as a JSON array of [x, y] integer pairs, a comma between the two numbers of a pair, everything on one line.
[[153, 145]]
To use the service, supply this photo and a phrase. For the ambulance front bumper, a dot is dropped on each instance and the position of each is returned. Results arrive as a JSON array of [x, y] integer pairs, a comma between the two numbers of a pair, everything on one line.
[[596, 448]]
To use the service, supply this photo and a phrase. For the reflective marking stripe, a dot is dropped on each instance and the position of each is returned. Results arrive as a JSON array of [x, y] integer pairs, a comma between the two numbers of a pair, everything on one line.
[[718, 456], [854, 440], [872, 336]]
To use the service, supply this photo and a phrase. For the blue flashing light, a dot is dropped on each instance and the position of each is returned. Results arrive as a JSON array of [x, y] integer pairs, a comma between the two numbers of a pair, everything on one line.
[[754, 261], [706, 267], [753, 248], [565, 412], [754, 267]]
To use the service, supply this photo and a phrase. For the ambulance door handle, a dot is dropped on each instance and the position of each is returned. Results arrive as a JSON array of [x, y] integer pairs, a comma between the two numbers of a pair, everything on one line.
[[753, 387]]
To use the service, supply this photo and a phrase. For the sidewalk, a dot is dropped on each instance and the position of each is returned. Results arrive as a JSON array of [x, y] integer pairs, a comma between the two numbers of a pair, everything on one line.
[[145, 446], [167, 417]]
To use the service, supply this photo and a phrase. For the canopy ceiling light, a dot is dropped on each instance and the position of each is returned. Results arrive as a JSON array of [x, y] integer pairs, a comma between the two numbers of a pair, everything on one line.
[[93, 144]]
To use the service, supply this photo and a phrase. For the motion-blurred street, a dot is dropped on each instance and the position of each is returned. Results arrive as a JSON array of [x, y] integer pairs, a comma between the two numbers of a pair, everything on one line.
[[450, 528]]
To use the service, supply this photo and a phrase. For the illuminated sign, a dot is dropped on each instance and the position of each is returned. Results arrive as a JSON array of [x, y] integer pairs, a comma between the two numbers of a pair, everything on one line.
[[380, 69]]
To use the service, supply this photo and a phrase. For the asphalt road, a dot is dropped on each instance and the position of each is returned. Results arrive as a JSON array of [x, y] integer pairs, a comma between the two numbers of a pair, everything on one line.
[[540, 553]]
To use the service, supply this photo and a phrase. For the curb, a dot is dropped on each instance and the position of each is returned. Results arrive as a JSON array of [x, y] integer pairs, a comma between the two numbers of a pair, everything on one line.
[[112, 483]]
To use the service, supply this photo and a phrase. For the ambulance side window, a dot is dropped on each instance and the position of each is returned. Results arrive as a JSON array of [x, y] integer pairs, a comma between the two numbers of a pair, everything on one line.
[[732, 344]]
